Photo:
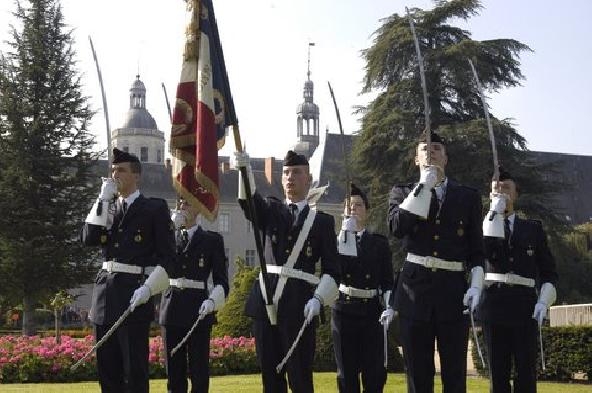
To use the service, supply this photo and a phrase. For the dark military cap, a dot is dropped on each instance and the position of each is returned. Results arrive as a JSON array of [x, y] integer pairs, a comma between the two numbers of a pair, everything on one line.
[[293, 159], [120, 156], [354, 190], [435, 138]]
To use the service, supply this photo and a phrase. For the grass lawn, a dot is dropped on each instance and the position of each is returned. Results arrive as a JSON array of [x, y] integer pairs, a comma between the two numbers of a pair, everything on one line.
[[324, 383]]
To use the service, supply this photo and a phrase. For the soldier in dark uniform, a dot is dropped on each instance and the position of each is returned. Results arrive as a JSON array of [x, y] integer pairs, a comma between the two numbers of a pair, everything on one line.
[[291, 272], [509, 308], [200, 255], [137, 241], [432, 285], [366, 283]]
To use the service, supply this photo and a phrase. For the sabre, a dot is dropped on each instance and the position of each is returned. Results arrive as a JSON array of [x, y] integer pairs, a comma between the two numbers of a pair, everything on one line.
[[475, 338], [385, 342], [292, 347], [542, 350], [487, 118], [345, 158], [178, 346], [104, 338], [424, 89], [105, 111], [489, 128]]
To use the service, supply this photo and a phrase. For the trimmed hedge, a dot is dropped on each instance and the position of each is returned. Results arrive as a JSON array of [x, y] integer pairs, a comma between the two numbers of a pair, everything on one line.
[[568, 350]]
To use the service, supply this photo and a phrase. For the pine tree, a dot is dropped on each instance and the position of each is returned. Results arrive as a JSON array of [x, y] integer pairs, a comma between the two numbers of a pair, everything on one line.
[[46, 180]]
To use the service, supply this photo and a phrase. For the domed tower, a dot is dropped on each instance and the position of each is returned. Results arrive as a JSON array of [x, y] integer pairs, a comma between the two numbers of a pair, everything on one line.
[[139, 134], [308, 112]]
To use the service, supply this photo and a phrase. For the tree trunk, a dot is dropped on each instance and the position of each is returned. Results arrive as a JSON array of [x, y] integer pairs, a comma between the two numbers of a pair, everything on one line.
[[58, 330], [28, 323]]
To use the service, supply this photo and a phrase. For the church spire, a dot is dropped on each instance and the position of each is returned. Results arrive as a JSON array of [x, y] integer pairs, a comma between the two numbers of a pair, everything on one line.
[[307, 116]]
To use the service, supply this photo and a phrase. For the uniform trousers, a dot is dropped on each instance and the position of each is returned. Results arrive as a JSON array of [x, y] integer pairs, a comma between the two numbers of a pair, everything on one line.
[[359, 349], [195, 353], [122, 361], [512, 344], [417, 339], [272, 343]]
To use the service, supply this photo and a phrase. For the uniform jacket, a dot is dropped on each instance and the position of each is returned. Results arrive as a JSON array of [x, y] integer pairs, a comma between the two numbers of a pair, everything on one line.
[[203, 256], [371, 269], [453, 234], [279, 237], [525, 254], [142, 237]]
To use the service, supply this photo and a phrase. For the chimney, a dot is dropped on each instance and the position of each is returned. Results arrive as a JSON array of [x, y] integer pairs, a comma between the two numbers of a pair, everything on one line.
[[269, 161], [224, 166]]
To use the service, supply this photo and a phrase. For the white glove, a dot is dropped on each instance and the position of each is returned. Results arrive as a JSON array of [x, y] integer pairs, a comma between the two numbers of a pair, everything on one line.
[[179, 218], [428, 175], [547, 297], [387, 316], [349, 224], [498, 203], [540, 313], [312, 309], [207, 307], [140, 296], [108, 189], [241, 159], [471, 298]]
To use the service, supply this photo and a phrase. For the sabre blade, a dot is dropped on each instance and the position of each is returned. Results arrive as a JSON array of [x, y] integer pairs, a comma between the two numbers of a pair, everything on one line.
[[487, 118]]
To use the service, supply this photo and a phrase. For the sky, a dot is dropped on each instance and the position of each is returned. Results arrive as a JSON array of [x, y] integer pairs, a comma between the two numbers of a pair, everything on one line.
[[265, 45]]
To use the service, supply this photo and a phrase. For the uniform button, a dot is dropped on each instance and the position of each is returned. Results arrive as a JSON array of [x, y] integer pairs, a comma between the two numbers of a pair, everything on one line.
[[347, 298], [365, 300], [367, 277], [116, 245], [120, 230], [287, 251], [511, 259], [289, 237], [184, 266], [348, 275], [436, 237], [438, 222], [435, 253]]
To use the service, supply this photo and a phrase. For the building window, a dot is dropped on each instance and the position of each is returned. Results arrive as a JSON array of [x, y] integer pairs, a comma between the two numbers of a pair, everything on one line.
[[250, 257], [224, 222], [158, 155], [249, 226], [126, 149], [143, 154]]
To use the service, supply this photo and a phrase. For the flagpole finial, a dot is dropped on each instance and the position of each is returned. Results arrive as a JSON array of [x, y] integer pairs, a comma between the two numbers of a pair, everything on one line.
[[308, 70]]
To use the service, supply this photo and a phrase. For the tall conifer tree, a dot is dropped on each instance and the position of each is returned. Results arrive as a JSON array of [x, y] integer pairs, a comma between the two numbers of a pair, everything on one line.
[[45, 161]]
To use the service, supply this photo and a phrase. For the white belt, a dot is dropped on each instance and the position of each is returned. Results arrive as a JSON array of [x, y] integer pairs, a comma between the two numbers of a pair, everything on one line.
[[183, 283], [117, 267], [356, 292], [435, 263], [293, 273], [509, 278]]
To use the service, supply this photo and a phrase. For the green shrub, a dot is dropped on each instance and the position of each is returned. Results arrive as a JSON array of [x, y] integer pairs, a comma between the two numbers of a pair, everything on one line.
[[232, 320], [568, 350]]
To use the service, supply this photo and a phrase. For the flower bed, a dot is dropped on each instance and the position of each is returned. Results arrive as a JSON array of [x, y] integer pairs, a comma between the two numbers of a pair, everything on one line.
[[41, 359]]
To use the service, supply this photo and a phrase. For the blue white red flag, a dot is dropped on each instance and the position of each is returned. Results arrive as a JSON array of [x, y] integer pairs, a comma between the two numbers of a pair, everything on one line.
[[203, 110]]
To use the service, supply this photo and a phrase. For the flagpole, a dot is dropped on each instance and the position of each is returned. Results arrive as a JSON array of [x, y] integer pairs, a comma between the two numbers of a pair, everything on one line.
[[255, 220]]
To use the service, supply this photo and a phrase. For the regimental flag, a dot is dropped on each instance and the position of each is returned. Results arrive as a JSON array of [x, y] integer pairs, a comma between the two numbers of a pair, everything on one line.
[[203, 110]]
